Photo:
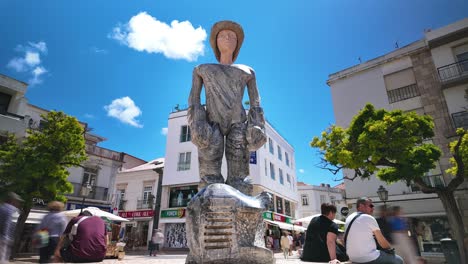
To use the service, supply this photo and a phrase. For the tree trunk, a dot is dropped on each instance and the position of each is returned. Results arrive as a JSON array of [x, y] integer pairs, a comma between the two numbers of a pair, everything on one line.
[[455, 220], [19, 230]]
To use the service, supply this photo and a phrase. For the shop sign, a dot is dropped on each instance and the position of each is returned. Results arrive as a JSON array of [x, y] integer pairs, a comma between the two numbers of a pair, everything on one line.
[[253, 157], [173, 213], [39, 201], [135, 214], [276, 217], [344, 211]]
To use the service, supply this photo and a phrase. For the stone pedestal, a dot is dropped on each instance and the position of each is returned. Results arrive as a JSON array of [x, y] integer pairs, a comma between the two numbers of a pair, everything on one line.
[[226, 226]]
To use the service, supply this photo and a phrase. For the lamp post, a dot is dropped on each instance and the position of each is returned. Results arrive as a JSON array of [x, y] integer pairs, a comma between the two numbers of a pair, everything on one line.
[[84, 191], [383, 194]]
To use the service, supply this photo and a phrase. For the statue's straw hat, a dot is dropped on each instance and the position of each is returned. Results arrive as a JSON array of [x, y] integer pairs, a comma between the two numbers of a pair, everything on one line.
[[230, 25]]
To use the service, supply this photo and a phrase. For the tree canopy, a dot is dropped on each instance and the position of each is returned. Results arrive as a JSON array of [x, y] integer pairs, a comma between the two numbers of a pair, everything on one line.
[[37, 166], [393, 144]]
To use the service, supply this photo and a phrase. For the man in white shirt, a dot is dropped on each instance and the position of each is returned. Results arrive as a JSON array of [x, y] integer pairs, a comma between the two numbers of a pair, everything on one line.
[[360, 243]]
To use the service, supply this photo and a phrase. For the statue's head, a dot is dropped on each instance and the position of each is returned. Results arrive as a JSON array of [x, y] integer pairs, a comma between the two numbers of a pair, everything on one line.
[[225, 29]]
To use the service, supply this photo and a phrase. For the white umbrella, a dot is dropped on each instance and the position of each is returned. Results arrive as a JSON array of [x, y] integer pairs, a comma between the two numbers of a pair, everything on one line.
[[309, 218], [96, 212]]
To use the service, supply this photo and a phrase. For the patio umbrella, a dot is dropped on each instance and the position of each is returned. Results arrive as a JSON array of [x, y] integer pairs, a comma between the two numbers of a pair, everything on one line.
[[309, 218], [96, 212]]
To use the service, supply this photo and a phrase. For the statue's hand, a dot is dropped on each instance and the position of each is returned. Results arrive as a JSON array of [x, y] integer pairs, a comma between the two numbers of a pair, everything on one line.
[[255, 137], [204, 135]]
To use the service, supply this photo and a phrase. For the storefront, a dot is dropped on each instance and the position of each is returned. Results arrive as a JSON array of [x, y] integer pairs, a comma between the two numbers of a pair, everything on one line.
[[174, 227], [136, 231], [427, 231]]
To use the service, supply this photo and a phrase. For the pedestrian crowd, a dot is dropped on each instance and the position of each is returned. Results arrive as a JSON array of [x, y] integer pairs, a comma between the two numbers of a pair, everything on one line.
[[365, 239]]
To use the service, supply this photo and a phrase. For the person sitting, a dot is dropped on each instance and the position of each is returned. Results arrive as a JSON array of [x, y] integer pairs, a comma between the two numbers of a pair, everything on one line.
[[361, 228], [320, 241], [84, 240]]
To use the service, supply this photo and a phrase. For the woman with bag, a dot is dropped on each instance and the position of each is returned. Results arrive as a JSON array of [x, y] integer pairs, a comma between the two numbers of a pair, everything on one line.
[[50, 229]]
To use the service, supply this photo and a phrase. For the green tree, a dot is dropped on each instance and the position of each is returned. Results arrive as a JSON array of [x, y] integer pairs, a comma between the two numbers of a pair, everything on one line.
[[395, 146], [37, 166]]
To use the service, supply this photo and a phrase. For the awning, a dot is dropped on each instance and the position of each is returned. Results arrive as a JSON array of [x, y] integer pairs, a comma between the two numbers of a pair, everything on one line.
[[34, 217], [286, 226]]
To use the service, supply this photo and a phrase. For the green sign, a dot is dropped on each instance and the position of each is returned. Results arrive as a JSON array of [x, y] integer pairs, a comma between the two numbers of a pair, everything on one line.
[[173, 213]]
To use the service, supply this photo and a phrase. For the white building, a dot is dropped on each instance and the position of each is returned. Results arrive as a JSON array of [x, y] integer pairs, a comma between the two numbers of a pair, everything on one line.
[[13, 107], [272, 169], [136, 191], [429, 76], [313, 196]]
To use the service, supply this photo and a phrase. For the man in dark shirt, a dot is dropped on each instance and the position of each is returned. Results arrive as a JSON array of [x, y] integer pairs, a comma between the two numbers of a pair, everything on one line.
[[320, 241], [89, 242]]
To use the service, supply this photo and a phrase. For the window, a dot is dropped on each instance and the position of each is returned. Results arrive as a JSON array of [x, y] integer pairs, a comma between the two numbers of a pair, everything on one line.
[[147, 190], [270, 143], [401, 85], [185, 134], [286, 157], [323, 199], [287, 207], [288, 178], [4, 102], [333, 200], [272, 171], [279, 205], [280, 154], [461, 52], [184, 161], [121, 198], [89, 177], [281, 178], [305, 199], [180, 196], [266, 168]]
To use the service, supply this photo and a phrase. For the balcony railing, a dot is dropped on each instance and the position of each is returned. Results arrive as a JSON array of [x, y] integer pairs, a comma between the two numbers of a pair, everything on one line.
[[97, 193], [145, 204], [460, 119], [403, 93], [102, 152], [122, 205], [454, 71]]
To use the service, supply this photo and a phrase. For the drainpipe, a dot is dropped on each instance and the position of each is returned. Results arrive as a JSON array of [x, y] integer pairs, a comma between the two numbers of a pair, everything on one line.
[[157, 206]]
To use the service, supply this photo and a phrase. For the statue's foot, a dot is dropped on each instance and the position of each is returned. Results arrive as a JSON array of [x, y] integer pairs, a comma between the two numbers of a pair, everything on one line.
[[210, 179], [243, 185], [266, 199]]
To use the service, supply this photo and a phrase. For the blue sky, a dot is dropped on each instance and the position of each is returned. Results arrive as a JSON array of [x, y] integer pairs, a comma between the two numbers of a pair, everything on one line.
[[103, 61]]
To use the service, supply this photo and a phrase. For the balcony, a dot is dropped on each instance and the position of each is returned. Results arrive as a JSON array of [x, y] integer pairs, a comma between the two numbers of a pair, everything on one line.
[[102, 152], [122, 205], [12, 123], [97, 193], [460, 119], [453, 74], [145, 204], [403, 93]]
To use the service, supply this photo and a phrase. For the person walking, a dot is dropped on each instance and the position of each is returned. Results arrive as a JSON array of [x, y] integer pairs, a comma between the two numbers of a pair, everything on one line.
[[54, 223], [403, 243], [360, 229], [285, 245], [7, 226], [157, 240]]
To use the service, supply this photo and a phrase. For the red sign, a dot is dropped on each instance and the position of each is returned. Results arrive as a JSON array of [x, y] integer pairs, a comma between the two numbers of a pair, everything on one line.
[[279, 218], [135, 214]]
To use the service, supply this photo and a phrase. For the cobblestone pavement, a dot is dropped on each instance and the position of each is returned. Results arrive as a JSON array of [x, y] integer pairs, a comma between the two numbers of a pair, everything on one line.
[[163, 258]]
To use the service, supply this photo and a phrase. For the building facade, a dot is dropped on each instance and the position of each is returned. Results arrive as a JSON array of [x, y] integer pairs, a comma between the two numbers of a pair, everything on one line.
[[311, 197], [136, 192], [429, 76], [13, 106], [272, 169]]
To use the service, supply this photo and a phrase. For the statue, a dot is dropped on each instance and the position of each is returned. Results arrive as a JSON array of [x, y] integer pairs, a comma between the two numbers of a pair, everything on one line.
[[224, 123], [224, 222]]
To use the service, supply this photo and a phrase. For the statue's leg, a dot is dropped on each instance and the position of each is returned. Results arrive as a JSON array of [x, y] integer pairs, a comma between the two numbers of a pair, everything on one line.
[[237, 157], [210, 159]]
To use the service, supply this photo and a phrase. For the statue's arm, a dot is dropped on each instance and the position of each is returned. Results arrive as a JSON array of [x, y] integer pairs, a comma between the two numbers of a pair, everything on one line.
[[252, 89], [255, 135], [197, 83]]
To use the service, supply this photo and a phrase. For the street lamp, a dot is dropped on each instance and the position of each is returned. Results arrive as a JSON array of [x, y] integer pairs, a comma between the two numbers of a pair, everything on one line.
[[84, 191], [383, 194]]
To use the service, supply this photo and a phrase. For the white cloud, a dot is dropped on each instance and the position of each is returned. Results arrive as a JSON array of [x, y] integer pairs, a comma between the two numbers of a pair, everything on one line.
[[125, 110], [179, 40], [40, 46], [98, 50], [89, 116], [301, 170], [30, 62], [32, 58], [164, 131]]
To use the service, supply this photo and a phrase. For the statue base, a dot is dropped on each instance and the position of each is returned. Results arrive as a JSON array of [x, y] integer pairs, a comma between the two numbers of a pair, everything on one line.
[[226, 226]]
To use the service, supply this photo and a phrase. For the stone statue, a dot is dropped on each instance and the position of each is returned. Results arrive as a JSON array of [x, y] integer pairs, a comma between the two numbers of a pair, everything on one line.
[[224, 222], [223, 124]]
